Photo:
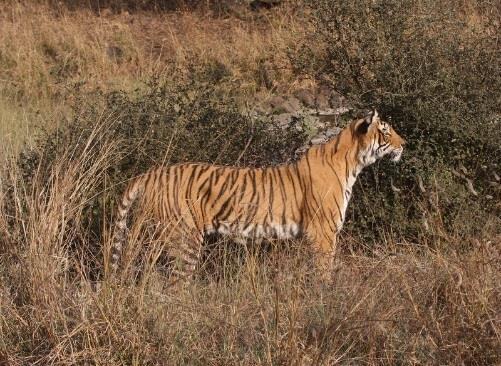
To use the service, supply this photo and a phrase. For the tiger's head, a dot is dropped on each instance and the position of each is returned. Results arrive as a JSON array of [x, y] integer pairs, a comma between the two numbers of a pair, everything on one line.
[[376, 139]]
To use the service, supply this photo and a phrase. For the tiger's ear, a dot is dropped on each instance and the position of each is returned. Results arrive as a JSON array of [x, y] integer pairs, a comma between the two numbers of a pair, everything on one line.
[[371, 118]]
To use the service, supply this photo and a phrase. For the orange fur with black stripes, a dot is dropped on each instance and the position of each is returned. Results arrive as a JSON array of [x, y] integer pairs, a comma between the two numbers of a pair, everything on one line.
[[308, 197]]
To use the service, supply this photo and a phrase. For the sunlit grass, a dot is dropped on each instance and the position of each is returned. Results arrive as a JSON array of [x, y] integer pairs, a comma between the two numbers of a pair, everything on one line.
[[396, 302]]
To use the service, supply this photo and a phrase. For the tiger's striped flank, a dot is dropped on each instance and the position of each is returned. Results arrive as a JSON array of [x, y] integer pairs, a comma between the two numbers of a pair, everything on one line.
[[308, 197]]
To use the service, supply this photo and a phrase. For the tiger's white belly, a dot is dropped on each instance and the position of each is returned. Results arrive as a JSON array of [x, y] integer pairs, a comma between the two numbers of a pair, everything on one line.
[[271, 231]]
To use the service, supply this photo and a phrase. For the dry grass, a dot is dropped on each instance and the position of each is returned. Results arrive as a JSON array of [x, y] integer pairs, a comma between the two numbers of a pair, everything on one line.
[[403, 304], [399, 303], [45, 51], [48, 58]]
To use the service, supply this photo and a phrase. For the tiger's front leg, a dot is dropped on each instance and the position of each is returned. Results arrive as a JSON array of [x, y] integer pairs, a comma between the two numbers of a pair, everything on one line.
[[325, 250]]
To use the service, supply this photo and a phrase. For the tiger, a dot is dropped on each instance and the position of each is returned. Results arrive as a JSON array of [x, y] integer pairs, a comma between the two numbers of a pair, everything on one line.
[[306, 198]]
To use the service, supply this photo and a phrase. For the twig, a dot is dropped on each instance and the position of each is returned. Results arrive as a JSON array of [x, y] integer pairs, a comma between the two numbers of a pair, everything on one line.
[[421, 184], [469, 182]]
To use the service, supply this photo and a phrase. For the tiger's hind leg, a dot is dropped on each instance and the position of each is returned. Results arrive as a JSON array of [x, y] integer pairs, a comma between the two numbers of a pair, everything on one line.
[[185, 251]]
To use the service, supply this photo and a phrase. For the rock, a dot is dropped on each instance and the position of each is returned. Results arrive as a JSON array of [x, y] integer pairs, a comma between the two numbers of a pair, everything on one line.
[[306, 97], [326, 98], [282, 105], [290, 111], [342, 110], [332, 111], [283, 119], [328, 119], [326, 112], [334, 131], [320, 139]]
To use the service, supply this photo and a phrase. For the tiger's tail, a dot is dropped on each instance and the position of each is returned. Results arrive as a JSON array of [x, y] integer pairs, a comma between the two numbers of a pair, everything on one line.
[[131, 194]]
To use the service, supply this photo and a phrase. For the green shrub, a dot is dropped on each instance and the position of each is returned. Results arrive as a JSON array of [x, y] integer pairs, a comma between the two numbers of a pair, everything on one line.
[[437, 75]]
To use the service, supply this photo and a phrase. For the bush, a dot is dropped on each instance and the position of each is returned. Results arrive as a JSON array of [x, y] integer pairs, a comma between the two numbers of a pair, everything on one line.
[[434, 67], [162, 124]]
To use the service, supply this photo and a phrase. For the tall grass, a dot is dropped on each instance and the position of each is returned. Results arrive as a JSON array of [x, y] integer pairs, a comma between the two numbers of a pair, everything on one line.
[[403, 304], [51, 57], [434, 300], [46, 53]]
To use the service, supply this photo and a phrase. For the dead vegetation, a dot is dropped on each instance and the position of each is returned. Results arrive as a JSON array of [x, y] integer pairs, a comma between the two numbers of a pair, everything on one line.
[[45, 53], [419, 276], [404, 303]]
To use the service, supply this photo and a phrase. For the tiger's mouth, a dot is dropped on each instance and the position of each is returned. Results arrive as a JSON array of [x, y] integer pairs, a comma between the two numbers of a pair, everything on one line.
[[396, 154]]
